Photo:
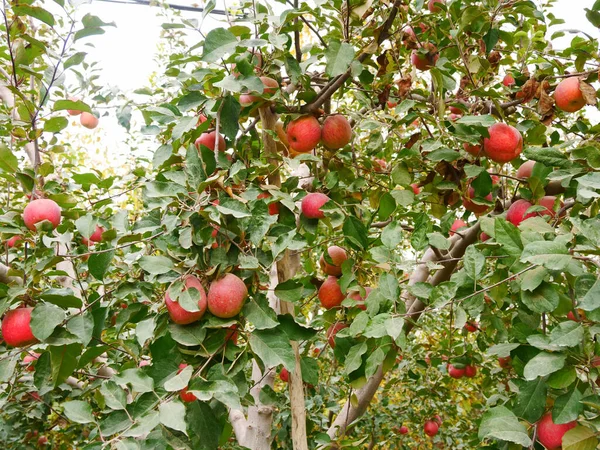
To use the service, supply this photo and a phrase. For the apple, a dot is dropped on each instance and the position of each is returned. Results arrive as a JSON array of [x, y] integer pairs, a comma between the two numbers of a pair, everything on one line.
[[284, 375], [311, 205], [483, 237], [571, 316], [392, 104], [471, 327], [431, 428], [360, 300], [425, 61], [269, 87], [144, 363], [273, 206], [549, 434], [517, 212], [41, 210], [336, 132], [95, 237], [14, 241], [201, 119], [29, 359], [409, 33], [415, 188], [16, 329], [42, 440], [474, 207], [455, 372], [208, 140], [338, 256], [508, 80], [177, 313], [457, 225], [380, 165], [403, 430], [548, 202], [504, 144], [524, 171], [504, 362], [232, 334], [330, 294], [431, 5], [568, 95], [304, 134], [73, 112], [281, 134], [226, 296], [332, 331], [454, 117], [88, 120], [475, 150], [186, 396], [470, 371]]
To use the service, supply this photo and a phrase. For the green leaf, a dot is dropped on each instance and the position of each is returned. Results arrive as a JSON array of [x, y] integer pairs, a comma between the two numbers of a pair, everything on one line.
[[8, 161], [289, 291], [354, 358], [500, 423], [235, 208], [531, 400], [501, 350], [64, 361], [273, 348], [391, 235], [260, 314], [114, 396], [172, 415], [474, 262], [509, 237], [563, 378], [491, 39], [543, 299], [567, 407], [7, 367], [137, 379], [63, 105], [82, 326], [75, 60], [188, 335], [180, 380], [580, 438], [45, 317], [219, 42], [156, 265], [567, 334], [532, 279], [374, 360], [543, 364], [551, 157], [550, 254], [339, 55], [78, 411], [591, 300], [55, 124], [203, 426], [144, 330], [230, 117], [387, 205], [355, 232], [36, 12], [99, 263], [65, 298], [310, 370]]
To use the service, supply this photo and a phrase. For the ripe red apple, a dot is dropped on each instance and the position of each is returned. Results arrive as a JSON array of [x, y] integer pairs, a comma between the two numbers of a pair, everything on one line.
[[95, 237], [29, 359], [454, 117], [40, 210], [455, 372], [269, 87], [474, 207], [504, 144], [42, 440], [332, 331], [504, 362], [304, 134], [273, 206], [508, 80], [548, 202], [186, 396], [177, 313], [311, 205], [201, 119], [470, 371], [73, 112], [16, 329], [475, 150], [392, 104], [284, 375], [338, 256], [524, 171], [483, 237], [425, 61], [226, 296], [88, 120], [208, 140], [516, 212], [431, 428], [336, 132], [14, 241], [568, 95], [431, 5], [403, 430], [550, 434], [330, 293], [457, 225], [456, 110], [360, 300], [415, 188], [471, 327], [571, 316], [380, 165], [232, 334]]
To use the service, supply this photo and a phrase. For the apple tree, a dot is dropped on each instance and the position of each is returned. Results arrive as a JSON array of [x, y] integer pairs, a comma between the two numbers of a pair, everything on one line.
[[362, 225]]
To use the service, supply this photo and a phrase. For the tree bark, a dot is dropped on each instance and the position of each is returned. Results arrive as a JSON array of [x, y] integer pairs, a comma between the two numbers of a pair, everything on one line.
[[5, 278]]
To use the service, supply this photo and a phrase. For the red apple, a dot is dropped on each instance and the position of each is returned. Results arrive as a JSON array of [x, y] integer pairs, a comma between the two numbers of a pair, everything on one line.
[[95, 237], [330, 293], [470, 371], [425, 61], [568, 95], [29, 359], [14, 241], [403, 430], [336, 132], [208, 140], [304, 134], [548, 202], [226, 296], [457, 225], [475, 150], [186, 396], [504, 144], [273, 206], [504, 362], [41, 210], [525, 169], [144, 363], [549, 434], [88, 120], [483, 237], [474, 207], [16, 329], [73, 112], [380, 165], [508, 80], [284, 375], [431, 5], [431, 428], [338, 256], [177, 313], [360, 300], [415, 188], [311, 205], [471, 327], [332, 331], [517, 212], [455, 372], [269, 85]]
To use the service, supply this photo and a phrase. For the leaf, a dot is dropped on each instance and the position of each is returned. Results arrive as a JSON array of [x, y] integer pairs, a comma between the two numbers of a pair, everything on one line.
[[567, 407], [339, 55], [137, 379], [374, 360], [580, 438], [156, 265], [82, 326], [500, 423], [78, 411], [532, 279], [144, 330], [273, 348], [474, 262], [219, 42], [230, 117], [310, 370], [591, 300], [188, 335], [203, 426], [114, 396], [55, 124], [501, 350], [75, 60], [172, 415], [7, 367], [36, 12], [563, 378], [588, 92], [508, 236], [45, 317], [543, 364], [289, 291], [235, 208], [64, 361], [99, 263], [8, 161], [355, 232], [543, 299], [76, 105], [180, 380], [65, 298], [531, 400], [354, 358], [550, 254], [260, 314], [567, 334]]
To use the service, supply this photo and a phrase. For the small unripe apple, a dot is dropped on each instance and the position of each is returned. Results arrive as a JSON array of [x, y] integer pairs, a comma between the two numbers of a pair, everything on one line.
[[474, 207], [508, 80], [338, 256], [431, 428], [457, 225], [431, 5], [403, 430], [332, 331], [95, 237], [14, 241], [208, 140], [517, 212], [470, 371], [16, 328], [178, 314], [284, 375], [568, 95], [311, 205], [504, 144], [549, 434], [88, 120], [415, 188], [41, 210], [455, 372], [525, 170], [425, 61], [227, 296], [330, 293], [304, 134], [336, 132], [273, 206]]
